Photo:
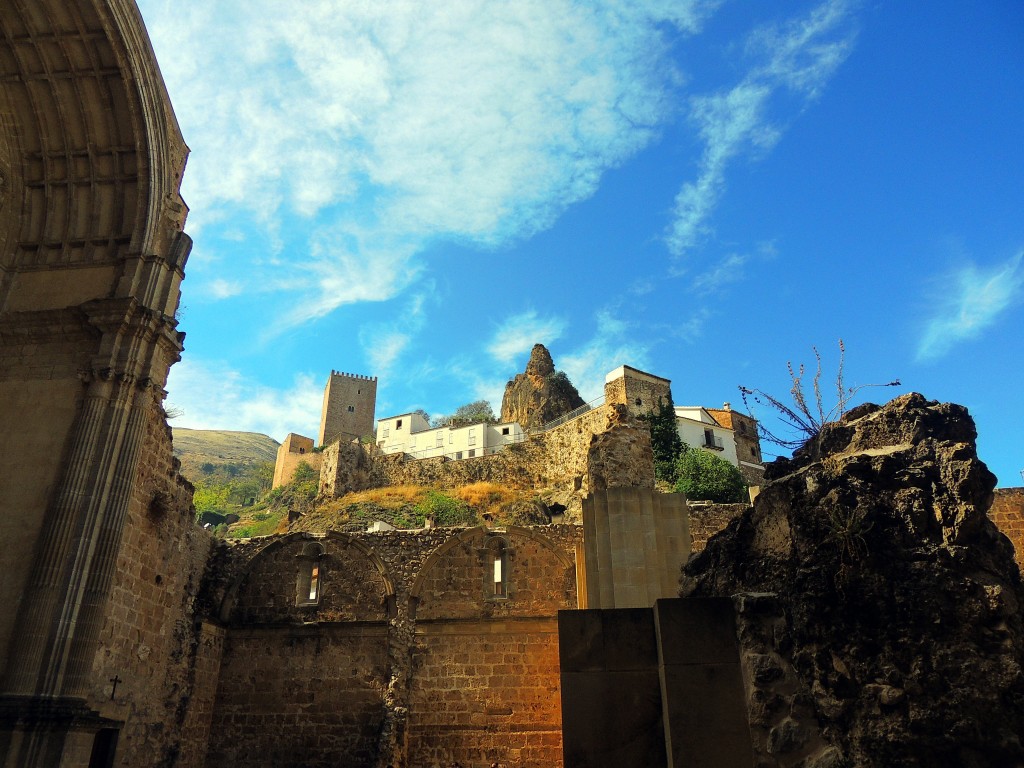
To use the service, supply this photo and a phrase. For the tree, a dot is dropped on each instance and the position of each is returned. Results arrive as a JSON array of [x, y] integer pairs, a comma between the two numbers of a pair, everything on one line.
[[477, 412], [665, 441], [703, 476]]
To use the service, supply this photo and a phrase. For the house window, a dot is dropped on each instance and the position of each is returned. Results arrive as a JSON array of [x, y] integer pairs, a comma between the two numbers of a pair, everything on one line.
[[496, 585], [309, 578], [351, 409], [709, 437], [440, 440], [504, 430], [472, 439], [398, 424], [451, 438], [753, 453], [458, 454], [472, 452]]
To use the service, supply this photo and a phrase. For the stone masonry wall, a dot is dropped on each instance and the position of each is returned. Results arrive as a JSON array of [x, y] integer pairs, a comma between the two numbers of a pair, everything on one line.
[[708, 519], [406, 660], [149, 642], [603, 448], [1007, 513]]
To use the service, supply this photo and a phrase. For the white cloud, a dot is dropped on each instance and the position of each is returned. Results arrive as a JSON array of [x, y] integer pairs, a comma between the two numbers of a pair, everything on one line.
[[518, 333], [611, 345], [384, 343], [472, 120], [801, 56], [211, 395], [973, 298], [223, 289], [729, 270]]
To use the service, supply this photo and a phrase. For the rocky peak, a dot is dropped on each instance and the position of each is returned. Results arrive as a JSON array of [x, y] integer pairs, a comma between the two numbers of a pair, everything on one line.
[[540, 364], [540, 394], [899, 638]]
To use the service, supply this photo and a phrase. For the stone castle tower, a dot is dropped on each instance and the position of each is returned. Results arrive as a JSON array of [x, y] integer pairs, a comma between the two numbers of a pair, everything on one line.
[[350, 401]]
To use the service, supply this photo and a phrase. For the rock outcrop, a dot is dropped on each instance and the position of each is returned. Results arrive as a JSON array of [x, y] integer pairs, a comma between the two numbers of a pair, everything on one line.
[[539, 395], [897, 637]]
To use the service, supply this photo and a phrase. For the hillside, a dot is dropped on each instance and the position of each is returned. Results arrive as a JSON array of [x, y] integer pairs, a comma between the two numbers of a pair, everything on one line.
[[205, 452]]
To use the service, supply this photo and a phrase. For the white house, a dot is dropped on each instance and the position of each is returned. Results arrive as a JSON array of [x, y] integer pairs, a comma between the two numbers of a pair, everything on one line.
[[698, 429], [411, 433]]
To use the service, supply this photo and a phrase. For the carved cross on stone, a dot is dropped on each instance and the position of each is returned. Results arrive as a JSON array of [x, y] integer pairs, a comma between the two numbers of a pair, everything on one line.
[[113, 688]]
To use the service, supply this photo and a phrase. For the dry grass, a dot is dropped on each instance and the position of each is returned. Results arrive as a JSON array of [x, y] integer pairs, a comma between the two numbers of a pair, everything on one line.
[[486, 498], [393, 496]]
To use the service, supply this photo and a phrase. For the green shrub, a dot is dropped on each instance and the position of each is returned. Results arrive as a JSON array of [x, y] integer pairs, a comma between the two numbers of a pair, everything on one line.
[[444, 510], [705, 477]]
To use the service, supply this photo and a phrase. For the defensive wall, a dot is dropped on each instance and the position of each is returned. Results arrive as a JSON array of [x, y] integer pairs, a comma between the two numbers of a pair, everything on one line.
[[605, 447], [293, 451]]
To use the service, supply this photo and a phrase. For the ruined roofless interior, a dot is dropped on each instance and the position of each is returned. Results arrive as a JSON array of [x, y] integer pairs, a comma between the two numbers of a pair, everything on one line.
[[130, 637]]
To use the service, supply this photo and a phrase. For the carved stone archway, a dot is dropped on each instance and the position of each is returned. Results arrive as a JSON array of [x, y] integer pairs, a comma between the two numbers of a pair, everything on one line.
[[91, 259]]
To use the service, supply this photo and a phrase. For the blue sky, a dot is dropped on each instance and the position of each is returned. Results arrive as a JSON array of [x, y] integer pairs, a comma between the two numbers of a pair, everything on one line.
[[704, 190]]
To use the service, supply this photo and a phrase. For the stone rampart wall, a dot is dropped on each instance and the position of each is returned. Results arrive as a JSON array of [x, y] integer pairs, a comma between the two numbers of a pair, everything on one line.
[[149, 641], [1007, 513], [409, 658]]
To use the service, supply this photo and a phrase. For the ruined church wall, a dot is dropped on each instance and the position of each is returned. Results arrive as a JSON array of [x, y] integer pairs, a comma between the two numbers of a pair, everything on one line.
[[149, 641], [486, 683], [1007, 513], [403, 625]]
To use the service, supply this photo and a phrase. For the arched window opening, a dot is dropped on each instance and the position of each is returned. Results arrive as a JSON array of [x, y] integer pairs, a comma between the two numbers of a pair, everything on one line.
[[497, 569], [309, 579]]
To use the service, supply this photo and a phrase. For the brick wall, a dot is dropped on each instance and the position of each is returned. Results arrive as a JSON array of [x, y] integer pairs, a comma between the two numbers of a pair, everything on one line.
[[708, 519], [150, 639], [404, 661], [1007, 513]]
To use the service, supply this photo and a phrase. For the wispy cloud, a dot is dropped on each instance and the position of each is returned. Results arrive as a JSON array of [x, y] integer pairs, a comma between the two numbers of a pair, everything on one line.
[[728, 270], [612, 345], [211, 395], [799, 56], [973, 299], [518, 333], [384, 343], [475, 121], [223, 289]]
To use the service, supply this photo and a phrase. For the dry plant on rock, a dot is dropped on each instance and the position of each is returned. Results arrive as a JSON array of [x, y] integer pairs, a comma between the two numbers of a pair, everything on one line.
[[805, 419]]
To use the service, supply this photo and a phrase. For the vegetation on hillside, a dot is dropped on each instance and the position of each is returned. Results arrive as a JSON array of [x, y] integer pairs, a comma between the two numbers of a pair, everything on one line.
[[411, 506], [702, 476], [665, 441]]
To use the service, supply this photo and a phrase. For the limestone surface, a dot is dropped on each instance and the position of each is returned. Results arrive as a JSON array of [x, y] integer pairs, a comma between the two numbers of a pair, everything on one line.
[[539, 395], [899, 640]]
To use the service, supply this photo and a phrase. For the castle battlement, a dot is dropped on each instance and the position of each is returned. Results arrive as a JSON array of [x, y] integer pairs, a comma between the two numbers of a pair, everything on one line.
[[356, 376]]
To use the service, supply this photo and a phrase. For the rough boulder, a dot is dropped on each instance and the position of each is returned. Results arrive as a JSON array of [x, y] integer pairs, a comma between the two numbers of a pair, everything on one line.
[[898, 637], [539, 395]]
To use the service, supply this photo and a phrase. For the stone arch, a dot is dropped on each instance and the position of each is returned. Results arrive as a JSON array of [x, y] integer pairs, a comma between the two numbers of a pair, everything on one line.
[[456, 581], [91, 259], [481, 530], [230, 600]]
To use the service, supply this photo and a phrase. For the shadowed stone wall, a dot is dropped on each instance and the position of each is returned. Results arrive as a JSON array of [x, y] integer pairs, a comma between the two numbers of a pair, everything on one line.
[[407, 658]]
